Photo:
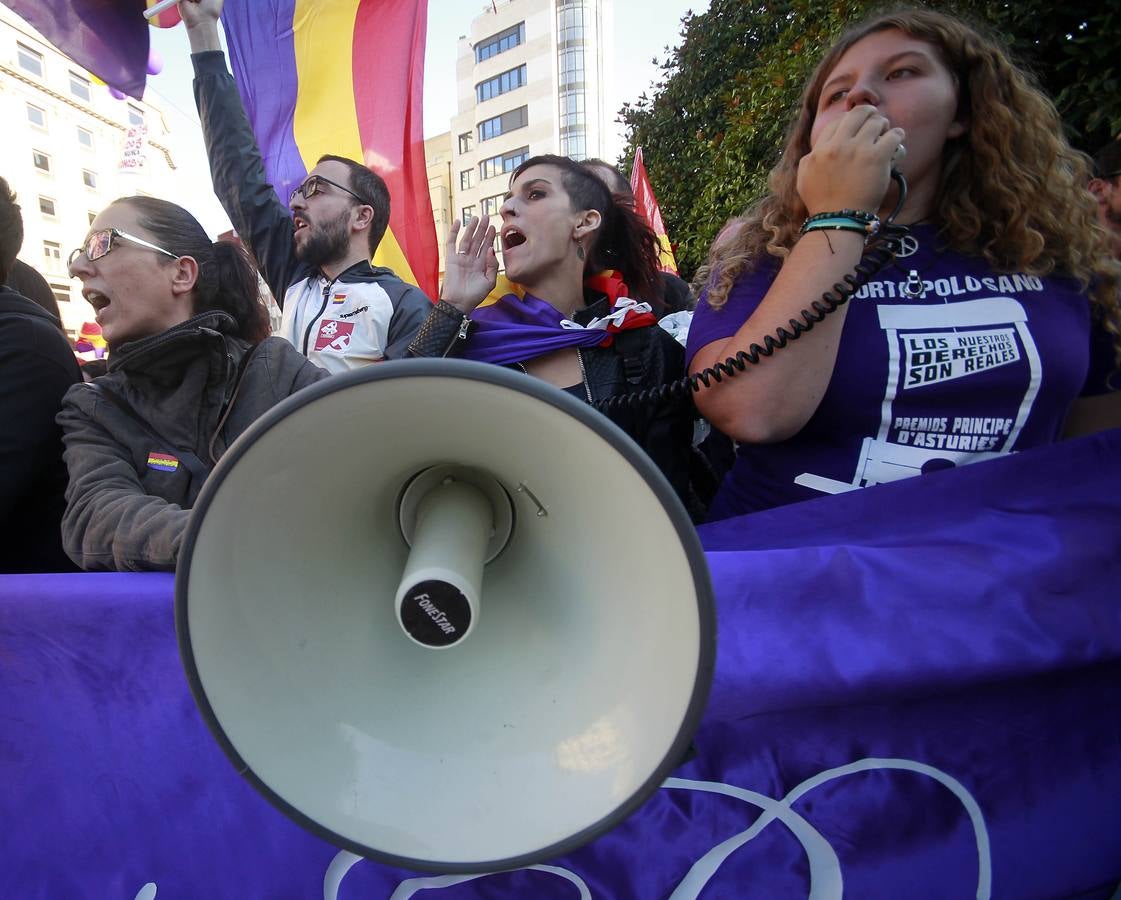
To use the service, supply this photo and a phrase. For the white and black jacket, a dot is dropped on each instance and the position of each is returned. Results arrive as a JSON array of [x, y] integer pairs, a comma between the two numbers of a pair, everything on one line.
[[366, 314]]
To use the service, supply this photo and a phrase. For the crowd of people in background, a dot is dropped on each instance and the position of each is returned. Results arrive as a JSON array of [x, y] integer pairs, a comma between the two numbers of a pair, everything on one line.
[[995, 328]]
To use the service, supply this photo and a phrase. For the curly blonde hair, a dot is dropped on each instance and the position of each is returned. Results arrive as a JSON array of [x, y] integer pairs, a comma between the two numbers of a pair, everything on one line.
[[1013, 190]]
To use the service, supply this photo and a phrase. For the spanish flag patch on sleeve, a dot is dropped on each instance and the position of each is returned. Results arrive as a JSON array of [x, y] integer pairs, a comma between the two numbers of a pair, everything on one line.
[[162, 462]]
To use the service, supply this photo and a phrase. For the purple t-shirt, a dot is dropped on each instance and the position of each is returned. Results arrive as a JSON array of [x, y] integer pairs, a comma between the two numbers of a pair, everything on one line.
[[977, 366]]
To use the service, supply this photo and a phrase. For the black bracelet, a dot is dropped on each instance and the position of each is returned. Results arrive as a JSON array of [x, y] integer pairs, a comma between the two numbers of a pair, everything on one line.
[[859, 214]]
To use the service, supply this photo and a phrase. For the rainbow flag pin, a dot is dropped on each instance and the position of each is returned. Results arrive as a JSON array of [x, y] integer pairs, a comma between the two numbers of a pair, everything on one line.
[[162, 462]]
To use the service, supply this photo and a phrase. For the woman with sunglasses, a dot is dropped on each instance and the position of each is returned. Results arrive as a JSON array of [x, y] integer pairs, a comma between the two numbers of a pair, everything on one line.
[[190, 368], [994, 330], [588, 265]]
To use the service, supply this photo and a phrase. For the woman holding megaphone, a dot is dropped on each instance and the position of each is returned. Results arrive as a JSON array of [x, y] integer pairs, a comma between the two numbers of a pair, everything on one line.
[[999, 312], [585, 323]]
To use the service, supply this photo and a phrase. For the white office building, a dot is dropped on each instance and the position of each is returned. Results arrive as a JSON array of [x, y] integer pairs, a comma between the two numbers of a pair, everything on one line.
[[530, 78]]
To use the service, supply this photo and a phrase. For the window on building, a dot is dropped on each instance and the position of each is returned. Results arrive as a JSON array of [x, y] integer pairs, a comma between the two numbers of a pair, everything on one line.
[[503, 164], [135, 115], [465, 179], [466, 213], [570, 22], [30, 60], [503, 124], [571, 108], [500, 84], [500, 43], [85, 137], [52, 251], [41, 161], [61, 291], [80, 87], [490, 205], [89, 179], [574, 144], [37, 116], [46, 207], [465, 142], [572, 68]]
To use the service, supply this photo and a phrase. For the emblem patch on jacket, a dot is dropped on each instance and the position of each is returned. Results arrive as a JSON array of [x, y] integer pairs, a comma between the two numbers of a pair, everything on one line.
[[339, 298], [334, 335], [162, 462]]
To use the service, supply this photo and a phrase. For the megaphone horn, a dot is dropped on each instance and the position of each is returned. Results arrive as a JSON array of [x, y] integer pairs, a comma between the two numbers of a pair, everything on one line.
[[381, 514]]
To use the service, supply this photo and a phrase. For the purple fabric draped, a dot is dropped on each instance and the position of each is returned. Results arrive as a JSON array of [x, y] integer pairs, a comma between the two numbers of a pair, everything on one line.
[[917, 695], [513, 330], [107, 37], [263, 62]]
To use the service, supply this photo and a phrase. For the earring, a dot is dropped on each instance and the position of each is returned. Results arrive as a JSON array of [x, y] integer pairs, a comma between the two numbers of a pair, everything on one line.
[[579, 251]]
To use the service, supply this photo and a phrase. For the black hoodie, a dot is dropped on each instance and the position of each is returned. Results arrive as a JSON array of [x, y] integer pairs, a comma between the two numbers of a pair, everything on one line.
[[37, 367]]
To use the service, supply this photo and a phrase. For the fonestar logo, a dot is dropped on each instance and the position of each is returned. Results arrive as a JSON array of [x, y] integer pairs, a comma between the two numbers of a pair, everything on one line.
[[435, 614]]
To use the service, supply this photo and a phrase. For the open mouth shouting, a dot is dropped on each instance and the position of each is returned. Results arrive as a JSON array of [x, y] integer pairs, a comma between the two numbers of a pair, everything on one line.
[[97, 300], [511, 237]]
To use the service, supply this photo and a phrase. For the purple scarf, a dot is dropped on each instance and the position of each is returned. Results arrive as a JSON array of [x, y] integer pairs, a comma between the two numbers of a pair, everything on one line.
[[513, 330]]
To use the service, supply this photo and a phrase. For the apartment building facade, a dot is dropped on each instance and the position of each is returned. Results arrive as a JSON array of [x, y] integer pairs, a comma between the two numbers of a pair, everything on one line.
[[531, 79], [70, 150]]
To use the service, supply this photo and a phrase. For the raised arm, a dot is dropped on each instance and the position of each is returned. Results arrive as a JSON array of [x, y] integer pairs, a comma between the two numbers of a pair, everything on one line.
[[849, 168], [240, 182], [471, 272]]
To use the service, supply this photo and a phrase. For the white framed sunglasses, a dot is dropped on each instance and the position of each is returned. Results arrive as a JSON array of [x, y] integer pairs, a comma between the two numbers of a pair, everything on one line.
[[98, 243]]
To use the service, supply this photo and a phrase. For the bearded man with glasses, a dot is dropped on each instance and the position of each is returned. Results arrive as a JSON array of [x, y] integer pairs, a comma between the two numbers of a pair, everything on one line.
[[338, 310]]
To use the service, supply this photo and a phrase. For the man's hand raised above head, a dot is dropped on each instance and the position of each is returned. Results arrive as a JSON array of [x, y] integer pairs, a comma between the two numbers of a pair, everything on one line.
[[200, 17]]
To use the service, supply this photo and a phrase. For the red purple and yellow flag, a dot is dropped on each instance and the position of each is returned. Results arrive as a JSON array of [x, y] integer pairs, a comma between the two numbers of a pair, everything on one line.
[[647, 205], [342, 77]]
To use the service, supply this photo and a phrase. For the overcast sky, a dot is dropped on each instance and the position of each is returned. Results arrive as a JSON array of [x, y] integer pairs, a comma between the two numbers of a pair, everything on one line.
[[643, 28]]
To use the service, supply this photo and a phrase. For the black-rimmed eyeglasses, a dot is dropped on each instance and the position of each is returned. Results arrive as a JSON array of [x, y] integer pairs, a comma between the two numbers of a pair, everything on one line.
[[98, 243], [313, 185]]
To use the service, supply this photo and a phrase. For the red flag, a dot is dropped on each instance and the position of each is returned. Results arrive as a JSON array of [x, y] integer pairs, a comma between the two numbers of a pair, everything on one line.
[[647, 204]]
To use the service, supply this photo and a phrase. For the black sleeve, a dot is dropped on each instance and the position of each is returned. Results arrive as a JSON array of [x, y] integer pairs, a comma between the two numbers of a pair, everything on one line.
[[240, 183], [409, 312], [34, 379]]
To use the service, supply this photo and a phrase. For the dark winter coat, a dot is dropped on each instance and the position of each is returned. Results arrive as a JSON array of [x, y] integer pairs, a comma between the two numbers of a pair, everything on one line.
[[131, 484], [37, 367]]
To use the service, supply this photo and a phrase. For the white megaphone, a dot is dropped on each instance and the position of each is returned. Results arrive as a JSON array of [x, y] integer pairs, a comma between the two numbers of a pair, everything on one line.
[[425, 504]]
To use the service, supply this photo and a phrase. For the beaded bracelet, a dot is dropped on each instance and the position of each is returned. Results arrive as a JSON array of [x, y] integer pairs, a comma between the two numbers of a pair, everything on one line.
[[865, 223]]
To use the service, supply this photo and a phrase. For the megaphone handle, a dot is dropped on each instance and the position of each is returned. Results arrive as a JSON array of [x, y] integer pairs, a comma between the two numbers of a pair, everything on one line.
[[438, 597]]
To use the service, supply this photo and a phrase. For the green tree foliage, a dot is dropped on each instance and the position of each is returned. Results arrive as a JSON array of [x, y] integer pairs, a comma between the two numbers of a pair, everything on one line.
[[717, 119]]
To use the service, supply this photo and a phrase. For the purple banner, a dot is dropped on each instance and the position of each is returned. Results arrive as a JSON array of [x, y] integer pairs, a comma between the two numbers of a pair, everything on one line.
[[916, 696]]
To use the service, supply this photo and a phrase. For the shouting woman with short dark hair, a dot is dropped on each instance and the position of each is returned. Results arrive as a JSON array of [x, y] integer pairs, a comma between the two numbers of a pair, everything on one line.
[[586, 332]]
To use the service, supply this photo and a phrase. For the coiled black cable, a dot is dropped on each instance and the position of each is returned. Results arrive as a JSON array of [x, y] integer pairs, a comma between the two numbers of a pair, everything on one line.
[[878, 255]]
